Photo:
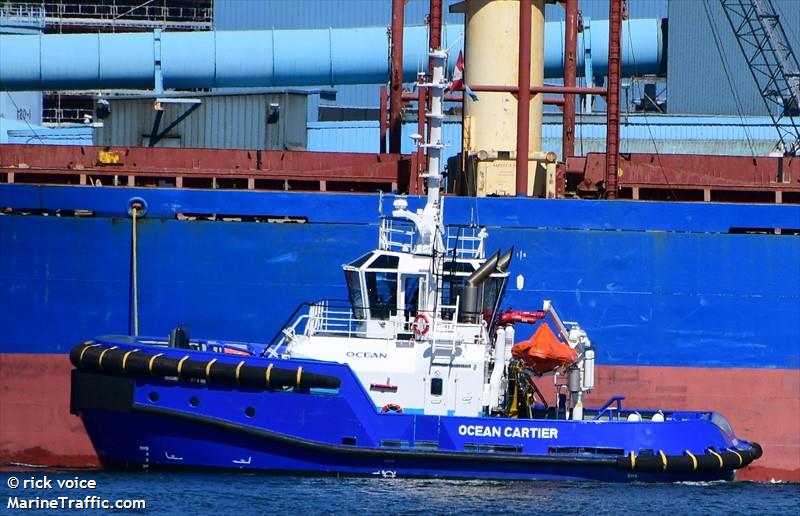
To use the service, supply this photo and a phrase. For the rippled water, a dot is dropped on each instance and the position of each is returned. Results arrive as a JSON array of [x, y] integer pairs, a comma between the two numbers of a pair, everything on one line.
[[231, 493]]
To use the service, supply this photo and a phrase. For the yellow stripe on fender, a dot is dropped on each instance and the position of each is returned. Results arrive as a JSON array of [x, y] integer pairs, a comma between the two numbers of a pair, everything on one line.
[[663, 459], [180, 364], [208, 368], [694, 460], [633, 461], [100, 360], [268, 373], [718, 456], [152, 360], [741, 461], [299, 374], [125, 359], [238, 369], [85, 348]]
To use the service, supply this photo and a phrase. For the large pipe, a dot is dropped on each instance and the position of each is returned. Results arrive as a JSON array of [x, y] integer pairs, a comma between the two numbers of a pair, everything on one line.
[[570, 74], [396, 76], [220, 59], [492, 124], [612, 113], [524, 96]]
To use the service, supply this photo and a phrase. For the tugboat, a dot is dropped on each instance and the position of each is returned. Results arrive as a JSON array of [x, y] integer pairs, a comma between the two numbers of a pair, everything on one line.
[[417, 374]]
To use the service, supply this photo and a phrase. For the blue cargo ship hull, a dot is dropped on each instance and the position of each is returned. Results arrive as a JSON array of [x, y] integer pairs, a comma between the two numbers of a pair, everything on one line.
[[678, 297]]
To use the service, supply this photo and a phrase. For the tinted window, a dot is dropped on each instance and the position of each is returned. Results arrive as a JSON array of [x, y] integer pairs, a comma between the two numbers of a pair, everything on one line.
[[382, 292], [385, 262], [354, 289], [492, 290], [358, 263], [451, 289], [411, 288], [437, 385], [451, 266]]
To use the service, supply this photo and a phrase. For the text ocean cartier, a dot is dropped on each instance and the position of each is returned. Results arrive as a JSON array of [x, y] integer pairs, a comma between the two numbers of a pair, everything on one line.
[[508, 431]]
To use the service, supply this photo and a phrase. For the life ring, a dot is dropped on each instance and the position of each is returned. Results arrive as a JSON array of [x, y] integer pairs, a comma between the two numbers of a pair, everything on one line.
[[421, 325], [392, 407]]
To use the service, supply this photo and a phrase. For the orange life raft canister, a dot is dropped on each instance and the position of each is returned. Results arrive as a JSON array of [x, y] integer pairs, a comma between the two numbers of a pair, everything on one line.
[[544, 352]]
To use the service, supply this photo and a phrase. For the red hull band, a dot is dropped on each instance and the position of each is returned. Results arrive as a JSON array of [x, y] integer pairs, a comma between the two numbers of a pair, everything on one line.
[[761, 404]]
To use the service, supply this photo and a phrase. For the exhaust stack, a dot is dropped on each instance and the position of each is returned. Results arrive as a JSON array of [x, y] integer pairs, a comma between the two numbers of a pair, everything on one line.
[[470, 308]]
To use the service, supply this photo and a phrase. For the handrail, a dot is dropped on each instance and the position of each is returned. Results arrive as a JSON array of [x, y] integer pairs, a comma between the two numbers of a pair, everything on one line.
[[605, 408], [275, 339]]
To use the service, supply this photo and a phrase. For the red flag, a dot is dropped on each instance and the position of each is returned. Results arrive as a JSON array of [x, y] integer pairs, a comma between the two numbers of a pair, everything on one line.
[[458, 74]]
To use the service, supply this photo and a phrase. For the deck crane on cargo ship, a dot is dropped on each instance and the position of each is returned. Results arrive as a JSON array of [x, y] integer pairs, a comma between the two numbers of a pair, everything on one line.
[[772, 62]]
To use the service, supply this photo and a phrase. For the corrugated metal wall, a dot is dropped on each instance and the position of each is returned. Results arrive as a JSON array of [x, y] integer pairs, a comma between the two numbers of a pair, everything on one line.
[[598, 9], [664, 134], [363, 136], [696, 78], [316, 14], [320, 14], [221, 121]]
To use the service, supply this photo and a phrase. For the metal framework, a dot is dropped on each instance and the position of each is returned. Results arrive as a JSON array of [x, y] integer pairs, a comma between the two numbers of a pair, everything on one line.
[[772, 62], [130, 14]]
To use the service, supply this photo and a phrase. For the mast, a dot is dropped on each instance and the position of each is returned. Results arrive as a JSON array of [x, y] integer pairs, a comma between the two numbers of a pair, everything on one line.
[[430, 220], [437, 86]]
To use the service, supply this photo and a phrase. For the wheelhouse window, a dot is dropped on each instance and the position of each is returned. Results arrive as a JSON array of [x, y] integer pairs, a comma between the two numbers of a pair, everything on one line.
[[411, 290], [492, 291], [382, 293], [451, 289], [354, 291]]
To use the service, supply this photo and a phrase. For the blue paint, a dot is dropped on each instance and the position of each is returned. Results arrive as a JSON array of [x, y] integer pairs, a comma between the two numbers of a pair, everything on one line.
[[331, 208], [653, 283], [292, 430]]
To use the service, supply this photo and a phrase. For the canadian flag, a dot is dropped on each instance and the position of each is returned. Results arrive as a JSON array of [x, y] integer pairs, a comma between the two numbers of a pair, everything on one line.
[[457, 84]]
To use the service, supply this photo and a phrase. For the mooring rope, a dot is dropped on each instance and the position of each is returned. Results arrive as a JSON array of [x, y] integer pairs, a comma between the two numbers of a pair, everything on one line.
[[134, 212]]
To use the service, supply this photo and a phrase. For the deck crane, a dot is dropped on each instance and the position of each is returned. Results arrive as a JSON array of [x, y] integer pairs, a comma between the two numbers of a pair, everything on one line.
[[772, 62]]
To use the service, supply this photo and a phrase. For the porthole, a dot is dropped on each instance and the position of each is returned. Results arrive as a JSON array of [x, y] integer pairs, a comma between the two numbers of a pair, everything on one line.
[[194, 401], [249, 412], [153, 396]]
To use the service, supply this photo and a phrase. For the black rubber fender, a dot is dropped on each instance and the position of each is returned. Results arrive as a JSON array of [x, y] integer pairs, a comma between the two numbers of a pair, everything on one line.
[[135, 363], [727, 460]]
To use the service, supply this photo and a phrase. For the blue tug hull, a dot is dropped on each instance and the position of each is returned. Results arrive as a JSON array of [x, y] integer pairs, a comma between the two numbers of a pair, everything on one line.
[[181, 422]]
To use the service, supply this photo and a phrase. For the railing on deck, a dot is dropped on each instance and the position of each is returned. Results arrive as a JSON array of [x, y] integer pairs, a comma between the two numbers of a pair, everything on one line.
[[466, 242], [336, 318], [397, 235]]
